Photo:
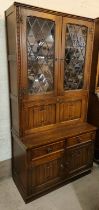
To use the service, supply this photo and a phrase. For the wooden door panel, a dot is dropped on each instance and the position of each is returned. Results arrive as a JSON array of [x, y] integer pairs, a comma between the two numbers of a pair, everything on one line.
[[73, 107], [70, 110], [79, 158], [44, 173], [48, 170], [39, 115]]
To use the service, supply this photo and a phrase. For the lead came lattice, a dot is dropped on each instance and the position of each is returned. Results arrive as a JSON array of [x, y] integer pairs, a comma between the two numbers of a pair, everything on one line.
[[75, 50], [40, 50]]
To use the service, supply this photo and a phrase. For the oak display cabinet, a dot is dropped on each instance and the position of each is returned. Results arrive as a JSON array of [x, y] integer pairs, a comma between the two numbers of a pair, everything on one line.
[[49, 62]]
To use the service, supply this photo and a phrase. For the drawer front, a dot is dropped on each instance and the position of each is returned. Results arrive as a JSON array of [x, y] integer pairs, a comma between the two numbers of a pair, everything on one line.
[[80, 139], [48, 149]]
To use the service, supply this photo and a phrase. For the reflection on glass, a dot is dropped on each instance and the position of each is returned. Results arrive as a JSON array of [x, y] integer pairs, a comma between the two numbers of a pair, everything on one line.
[[40, 51], [75, 49]]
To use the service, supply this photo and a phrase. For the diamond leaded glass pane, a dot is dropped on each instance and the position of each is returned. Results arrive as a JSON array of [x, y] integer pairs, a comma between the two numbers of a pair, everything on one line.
[[75, 49], [40, 51]]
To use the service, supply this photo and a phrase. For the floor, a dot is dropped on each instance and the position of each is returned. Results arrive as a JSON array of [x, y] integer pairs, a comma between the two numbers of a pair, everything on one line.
[[82, 194]]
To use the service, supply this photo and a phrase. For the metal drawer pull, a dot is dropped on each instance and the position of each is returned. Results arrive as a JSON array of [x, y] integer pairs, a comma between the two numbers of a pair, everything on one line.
[[61, 165]]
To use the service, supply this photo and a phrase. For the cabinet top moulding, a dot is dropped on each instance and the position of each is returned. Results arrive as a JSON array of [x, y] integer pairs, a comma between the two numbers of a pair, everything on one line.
[[17, 4]]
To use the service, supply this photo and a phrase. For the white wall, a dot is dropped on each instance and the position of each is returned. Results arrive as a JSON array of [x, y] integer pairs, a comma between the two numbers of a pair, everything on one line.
[[85, 8]]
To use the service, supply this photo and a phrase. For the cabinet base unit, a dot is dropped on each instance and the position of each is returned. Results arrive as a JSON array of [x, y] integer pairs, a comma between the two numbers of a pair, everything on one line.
[[46, 162]]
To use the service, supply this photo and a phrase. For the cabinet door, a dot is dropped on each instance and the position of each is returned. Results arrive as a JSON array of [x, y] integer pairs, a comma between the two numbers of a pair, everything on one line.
[[75, 68], [38, 114], [72, 109], [40, 46], [79, 158], [47, 171]]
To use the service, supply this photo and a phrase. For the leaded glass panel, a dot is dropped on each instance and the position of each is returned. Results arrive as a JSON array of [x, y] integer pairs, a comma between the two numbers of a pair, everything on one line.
[[40, 54], [75, 50]]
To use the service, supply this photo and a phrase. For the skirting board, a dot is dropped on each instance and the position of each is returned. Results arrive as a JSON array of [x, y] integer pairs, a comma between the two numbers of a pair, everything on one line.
[[5, 168]]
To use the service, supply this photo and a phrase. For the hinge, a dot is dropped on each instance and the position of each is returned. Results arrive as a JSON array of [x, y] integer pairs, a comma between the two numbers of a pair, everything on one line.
[[19, 19]]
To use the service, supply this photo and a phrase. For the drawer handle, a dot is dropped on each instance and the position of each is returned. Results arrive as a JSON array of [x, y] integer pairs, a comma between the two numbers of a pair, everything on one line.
[[49, 149], [62, 166]]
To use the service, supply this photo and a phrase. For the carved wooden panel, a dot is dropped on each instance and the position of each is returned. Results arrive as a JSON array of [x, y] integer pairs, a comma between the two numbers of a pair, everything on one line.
[[46, 172], [70, 110], [39, 115], [79, 158]]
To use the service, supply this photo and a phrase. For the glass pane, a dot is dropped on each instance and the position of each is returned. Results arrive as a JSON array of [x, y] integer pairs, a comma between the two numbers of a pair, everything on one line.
[[75, 49], [40, 51]]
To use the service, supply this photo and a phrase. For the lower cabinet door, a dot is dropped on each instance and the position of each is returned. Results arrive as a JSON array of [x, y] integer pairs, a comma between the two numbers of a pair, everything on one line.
[[46, 172], [79, 158]]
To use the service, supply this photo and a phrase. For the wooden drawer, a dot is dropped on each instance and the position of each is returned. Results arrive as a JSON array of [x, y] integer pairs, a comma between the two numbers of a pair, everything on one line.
[[80, 139], [48, 149]]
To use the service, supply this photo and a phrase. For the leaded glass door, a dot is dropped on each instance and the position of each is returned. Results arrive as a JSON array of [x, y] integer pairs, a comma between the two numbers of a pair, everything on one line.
[[40, 38], [75, 69]]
